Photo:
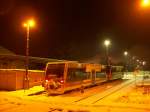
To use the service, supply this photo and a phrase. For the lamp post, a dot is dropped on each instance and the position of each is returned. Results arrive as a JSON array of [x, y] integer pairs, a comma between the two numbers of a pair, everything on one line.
[[27, 25], [143, 63], [107, 44], [125, 54], [108, 67]]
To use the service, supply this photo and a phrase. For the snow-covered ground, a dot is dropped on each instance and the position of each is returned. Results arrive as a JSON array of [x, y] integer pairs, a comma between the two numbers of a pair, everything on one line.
[[117, 97]]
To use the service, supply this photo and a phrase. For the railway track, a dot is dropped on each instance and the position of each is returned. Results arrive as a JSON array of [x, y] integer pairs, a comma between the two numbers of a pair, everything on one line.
[[94, 89], [103, 84], [112, 92], [94, 98]]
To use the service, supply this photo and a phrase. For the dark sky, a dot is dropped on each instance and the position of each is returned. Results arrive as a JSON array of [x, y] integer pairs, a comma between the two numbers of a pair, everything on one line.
[[75, 29]]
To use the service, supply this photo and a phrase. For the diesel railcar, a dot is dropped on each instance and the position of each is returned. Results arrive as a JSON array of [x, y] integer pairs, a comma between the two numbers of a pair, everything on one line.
[[68, 75]]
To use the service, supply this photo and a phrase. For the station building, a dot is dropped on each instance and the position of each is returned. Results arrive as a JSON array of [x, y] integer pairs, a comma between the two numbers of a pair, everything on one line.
[[12, 70]]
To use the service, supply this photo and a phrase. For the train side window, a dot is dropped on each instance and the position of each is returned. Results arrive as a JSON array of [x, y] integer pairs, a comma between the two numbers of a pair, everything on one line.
[[75, 74], [71, 76], [114, 69]]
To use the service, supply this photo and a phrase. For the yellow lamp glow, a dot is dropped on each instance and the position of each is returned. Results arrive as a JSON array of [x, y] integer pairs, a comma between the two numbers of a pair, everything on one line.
[[125, 53], [145, 3], [107, 43], [29, 23], [25, 25]]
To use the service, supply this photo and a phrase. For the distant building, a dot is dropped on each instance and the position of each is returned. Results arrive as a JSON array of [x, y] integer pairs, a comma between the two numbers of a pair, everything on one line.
[[9, 60]]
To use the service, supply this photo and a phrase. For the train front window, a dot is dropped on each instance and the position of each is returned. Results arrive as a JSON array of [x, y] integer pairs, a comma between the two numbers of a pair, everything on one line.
[[55, 70]]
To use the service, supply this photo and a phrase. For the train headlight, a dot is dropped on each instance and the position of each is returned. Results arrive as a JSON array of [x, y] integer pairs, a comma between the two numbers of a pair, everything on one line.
[[61, 81], [46, 81]]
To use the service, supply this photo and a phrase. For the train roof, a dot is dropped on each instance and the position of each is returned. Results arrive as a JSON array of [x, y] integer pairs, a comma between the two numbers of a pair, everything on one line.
[[64, 61], [76, 64]]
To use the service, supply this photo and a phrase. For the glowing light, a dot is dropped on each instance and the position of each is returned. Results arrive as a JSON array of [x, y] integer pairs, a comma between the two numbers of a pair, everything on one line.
[[29, 23], [62, 81], [145, 3], [107, 43], [125, 53], [144, 63], [25, 25]]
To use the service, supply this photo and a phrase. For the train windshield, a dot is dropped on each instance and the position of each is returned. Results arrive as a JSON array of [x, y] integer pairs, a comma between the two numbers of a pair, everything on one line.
[[55, 70]]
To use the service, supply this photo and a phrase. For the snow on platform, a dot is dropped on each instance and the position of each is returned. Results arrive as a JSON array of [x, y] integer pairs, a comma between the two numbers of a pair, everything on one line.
[[127, 99]]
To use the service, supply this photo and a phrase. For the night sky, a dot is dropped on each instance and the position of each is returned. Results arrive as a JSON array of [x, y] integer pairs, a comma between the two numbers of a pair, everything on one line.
[[76, 29]]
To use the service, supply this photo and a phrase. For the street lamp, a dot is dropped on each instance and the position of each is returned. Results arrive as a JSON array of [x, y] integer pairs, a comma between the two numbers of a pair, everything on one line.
[[143, 63], [28, 24], [145, 3], [125, 54], [108, 67], [107, 44]]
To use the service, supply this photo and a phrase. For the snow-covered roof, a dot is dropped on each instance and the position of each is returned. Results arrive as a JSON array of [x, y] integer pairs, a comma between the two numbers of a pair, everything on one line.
[[4, 51]]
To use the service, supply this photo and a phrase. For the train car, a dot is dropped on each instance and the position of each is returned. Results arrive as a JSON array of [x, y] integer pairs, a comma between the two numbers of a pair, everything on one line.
[[68, 75], [117, 72], [112, 72]]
